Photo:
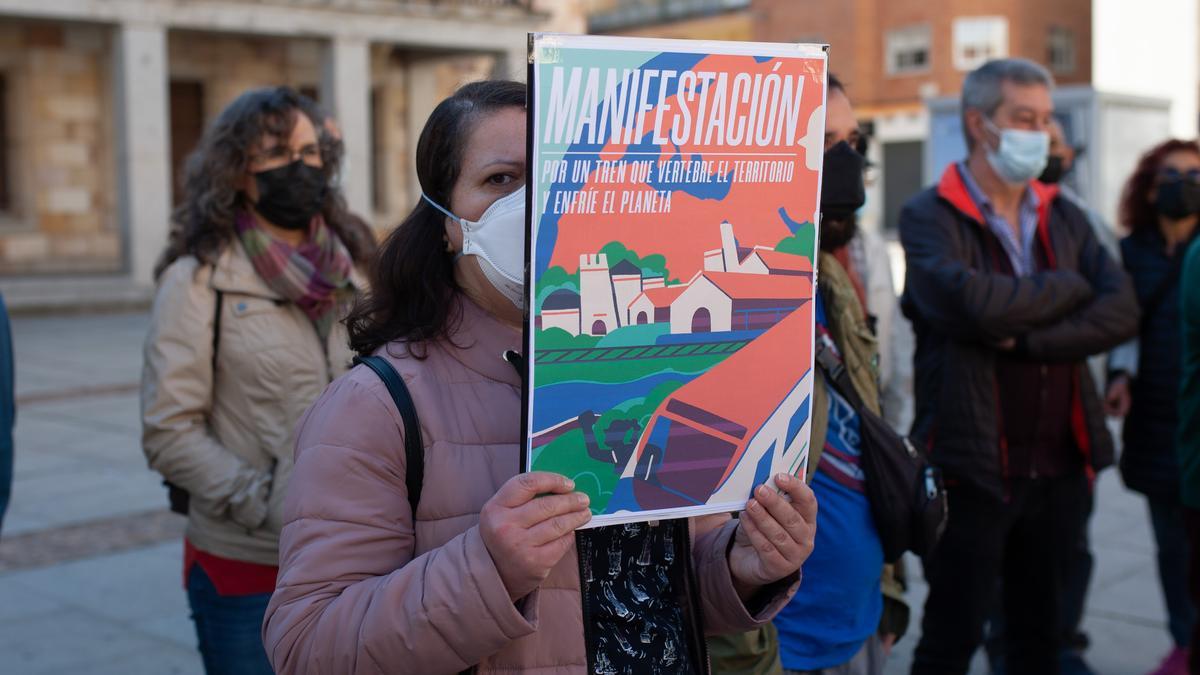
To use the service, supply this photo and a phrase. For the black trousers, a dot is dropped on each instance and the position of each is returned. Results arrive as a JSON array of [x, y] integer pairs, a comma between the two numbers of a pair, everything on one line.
[[1019, 540], [1076, 565], [1192, 518]]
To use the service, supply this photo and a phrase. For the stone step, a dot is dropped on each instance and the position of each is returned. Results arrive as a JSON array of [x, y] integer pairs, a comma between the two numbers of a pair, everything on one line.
[[74, 294]]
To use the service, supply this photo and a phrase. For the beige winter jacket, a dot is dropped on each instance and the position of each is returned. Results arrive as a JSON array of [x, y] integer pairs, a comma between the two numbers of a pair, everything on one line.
[[370, 588], [227, 437]]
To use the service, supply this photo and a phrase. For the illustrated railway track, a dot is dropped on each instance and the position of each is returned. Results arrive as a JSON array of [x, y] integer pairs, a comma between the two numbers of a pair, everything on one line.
[[597, 354]]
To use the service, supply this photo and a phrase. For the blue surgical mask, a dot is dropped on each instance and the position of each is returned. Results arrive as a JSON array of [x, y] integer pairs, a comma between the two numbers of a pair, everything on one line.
[[1021, 155]]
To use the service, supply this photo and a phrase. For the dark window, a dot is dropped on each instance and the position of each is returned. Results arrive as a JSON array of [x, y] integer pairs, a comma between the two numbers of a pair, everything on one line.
[[902, 168], [1060, 50], [599, 328], [907, 49], [187, 125], [701, 321]]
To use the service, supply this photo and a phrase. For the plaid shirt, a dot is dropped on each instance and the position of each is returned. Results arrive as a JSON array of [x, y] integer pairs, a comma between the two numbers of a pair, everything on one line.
[[1020, 254]]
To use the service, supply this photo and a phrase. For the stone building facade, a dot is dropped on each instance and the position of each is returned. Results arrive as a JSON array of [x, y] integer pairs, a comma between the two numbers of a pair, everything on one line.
[[101, 101], [57, 212]]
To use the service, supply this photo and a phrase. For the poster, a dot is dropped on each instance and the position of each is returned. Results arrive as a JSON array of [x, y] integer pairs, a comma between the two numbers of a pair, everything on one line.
[[673, 190]]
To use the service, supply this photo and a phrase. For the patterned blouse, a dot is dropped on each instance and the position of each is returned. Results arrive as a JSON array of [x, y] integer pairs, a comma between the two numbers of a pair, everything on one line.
[[637, 610]]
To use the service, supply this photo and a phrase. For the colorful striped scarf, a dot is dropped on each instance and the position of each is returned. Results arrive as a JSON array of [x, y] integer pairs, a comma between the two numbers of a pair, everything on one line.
[[314, 275]]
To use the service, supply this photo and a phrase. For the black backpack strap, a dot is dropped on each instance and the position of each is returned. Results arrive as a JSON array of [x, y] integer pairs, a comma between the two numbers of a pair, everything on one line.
[[216, 342], [414, 448], [835, 372]]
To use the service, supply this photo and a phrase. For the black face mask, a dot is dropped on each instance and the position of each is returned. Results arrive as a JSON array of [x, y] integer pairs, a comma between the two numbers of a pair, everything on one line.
[[842, 195], [1054, 171], [842, 191], [289, 196], [1177, 199]]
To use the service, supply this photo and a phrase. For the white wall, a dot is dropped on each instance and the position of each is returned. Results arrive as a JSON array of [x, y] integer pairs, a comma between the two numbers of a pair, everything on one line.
[[1149, 48]]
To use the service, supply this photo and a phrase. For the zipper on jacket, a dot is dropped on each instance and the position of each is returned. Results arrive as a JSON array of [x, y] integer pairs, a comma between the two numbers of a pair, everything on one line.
[[1003, 445], [583, 549], [992, 243], [692, 593]]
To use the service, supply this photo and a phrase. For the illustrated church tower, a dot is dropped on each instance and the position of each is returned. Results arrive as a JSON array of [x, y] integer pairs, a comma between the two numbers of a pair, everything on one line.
[[597, 299], [726, 258], [627, 285], [729, 248]]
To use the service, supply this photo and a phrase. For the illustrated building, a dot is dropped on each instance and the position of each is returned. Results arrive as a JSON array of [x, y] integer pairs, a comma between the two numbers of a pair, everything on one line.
[[560, 309], [741, 288], [653, 305], [627, 285], [729, 301], [729, 257], [767, 261], [597, 298]]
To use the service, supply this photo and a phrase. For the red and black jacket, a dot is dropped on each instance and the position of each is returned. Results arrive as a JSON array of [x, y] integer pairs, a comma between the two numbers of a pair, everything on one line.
[[963, 301]]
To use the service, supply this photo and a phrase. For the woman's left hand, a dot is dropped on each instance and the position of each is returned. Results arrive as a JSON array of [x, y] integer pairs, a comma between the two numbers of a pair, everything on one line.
[[774, 536]]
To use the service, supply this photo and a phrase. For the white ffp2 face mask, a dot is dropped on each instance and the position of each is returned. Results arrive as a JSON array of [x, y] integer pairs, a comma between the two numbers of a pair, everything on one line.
[[498, 240], [1021, 155]]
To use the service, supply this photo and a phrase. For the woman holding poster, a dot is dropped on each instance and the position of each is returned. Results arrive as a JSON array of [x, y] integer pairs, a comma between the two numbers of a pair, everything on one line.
[[489, 574]]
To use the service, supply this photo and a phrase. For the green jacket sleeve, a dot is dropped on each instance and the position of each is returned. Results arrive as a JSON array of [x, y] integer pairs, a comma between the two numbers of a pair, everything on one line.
[[1188, 442]]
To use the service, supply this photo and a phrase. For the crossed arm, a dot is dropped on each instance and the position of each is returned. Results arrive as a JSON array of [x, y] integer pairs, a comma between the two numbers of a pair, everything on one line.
[[1059, 314]]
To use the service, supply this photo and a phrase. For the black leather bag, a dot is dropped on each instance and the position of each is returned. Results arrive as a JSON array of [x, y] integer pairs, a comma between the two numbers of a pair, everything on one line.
[[907, 497]]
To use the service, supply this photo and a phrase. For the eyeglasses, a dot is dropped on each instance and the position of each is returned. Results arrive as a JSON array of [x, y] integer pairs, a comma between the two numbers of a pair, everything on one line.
[[1171, 174], [281, 154]]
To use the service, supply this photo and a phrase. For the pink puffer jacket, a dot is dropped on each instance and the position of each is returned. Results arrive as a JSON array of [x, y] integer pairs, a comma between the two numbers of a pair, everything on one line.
[[364, 587]]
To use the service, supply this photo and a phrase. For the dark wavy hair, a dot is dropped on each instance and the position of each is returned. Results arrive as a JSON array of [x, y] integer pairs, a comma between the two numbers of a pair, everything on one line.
[[413, 293], [1137, 212], [202, 224]]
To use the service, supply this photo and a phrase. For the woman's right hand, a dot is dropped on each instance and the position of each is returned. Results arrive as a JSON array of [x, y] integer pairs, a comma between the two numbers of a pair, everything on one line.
[[1117, 400], [528, 525]]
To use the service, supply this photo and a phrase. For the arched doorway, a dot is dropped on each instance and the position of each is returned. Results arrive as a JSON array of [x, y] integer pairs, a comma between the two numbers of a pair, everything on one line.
[[599, 328], [702, 321], [642, 319]]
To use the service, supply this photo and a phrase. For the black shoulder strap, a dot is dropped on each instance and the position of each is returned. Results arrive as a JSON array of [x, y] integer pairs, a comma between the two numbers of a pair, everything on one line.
[[835, 373], [414, 451], [216, 330]]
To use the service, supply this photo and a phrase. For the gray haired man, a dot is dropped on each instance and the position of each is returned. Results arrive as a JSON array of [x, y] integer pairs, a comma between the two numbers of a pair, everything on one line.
[[1009, 292]]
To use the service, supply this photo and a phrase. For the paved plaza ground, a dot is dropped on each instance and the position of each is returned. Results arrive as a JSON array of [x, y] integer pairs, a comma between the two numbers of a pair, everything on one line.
[[90, 559]]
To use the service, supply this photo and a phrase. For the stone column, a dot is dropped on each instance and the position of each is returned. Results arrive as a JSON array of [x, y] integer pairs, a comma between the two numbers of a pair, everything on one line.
[[347, 87], [513, 64], [422, 96], [143, 145]]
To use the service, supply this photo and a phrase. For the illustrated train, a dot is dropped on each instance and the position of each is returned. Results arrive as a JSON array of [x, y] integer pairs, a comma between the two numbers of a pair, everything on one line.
[[729, 429]]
